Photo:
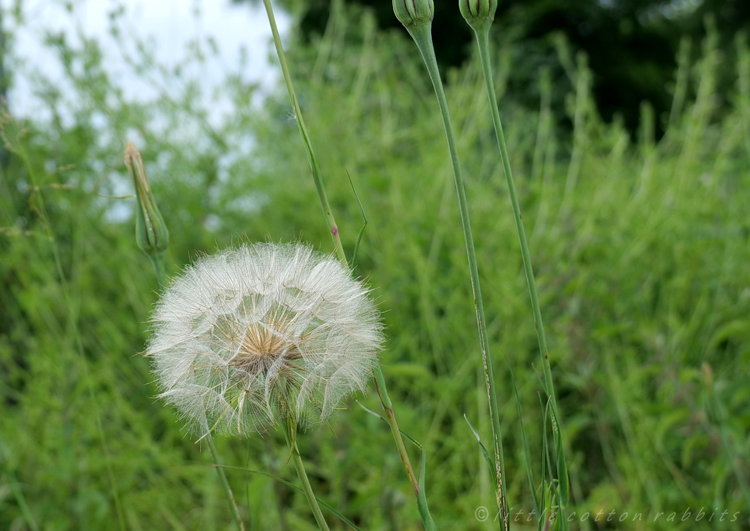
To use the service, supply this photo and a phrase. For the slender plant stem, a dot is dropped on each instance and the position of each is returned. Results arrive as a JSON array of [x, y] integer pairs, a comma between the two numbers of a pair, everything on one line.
[[486, 67], [391, 417], [160, 269], [482, 35], [423, 38], [225, 483], [320, 187], [289, 433], [379, 379]]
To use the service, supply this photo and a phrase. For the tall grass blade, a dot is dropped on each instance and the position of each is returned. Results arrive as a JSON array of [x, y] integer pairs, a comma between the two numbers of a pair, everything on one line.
[[485, 453], [526, 453]]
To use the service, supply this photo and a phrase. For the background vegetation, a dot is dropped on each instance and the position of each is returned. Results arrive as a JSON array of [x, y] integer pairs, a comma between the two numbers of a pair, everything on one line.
[[632, 45], [641, 250]]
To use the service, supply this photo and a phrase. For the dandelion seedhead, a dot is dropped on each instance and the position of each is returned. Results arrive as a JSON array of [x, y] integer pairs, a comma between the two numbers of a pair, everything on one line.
[[261, 334]]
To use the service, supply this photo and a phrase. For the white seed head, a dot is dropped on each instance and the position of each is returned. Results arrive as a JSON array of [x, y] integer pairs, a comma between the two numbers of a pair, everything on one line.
[[253, 335]]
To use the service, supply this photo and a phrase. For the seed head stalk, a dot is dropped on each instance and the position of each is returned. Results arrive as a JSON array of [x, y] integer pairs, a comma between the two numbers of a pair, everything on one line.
[[290, 435], [385, 400], [482, 35], [225, 483], [333, 227], [421, 33]]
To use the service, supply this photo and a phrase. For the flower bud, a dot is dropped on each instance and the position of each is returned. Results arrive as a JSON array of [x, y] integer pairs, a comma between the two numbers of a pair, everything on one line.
[[478, 13], [151, 232], [414, 12]]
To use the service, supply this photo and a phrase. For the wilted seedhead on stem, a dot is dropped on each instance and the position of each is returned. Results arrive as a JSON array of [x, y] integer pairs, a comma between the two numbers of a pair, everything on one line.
[[262, 334]]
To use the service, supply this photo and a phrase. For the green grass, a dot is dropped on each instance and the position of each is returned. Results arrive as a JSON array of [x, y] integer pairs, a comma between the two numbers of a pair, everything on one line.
[[640, 248]]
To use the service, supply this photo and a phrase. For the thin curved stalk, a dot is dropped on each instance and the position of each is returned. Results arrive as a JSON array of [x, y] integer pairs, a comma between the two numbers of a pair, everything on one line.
[[423, 38], [289, 434], [225, 483], [482, 35], [319, 186]]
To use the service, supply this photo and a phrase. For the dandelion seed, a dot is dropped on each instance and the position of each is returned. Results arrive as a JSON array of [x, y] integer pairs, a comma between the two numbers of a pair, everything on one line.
[[262, 334]]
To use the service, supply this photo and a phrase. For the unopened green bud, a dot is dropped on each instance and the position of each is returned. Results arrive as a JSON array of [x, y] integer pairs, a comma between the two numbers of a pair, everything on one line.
[[479, 14], [414, 12], [151, 232]]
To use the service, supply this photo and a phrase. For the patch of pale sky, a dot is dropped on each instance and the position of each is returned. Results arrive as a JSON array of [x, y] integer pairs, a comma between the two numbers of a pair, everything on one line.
[[170, 25]]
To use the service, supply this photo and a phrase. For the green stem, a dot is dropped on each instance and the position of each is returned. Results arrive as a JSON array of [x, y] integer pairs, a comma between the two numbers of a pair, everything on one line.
[[379, 379], [289, 433], [225, 483], [160, 268], [391, 417], [423, 38], [482, 35], [319, 186]]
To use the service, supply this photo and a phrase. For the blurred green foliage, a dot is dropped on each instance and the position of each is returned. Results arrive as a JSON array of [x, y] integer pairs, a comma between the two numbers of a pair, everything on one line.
[[631, 44], [641, 249]]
